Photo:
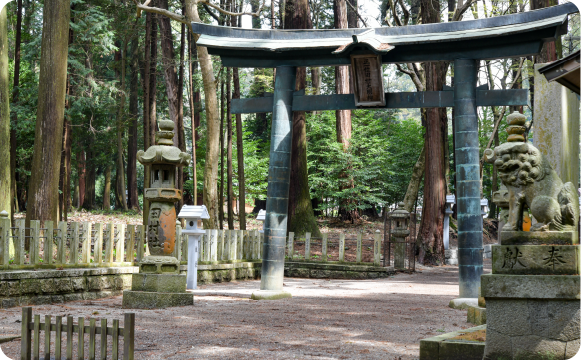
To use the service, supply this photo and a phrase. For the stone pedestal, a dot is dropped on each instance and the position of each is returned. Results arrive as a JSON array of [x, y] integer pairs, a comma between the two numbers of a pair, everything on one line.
[[157, 285], [535, 317]]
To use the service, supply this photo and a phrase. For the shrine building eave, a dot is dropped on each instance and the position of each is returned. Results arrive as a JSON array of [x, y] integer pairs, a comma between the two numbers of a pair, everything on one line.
[[513, 35]]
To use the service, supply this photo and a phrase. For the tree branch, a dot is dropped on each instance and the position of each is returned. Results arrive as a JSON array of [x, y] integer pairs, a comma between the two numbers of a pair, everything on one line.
[[225, 12], [406, 13], [211, 12], [357, 13], [462, 9], [169, 14]]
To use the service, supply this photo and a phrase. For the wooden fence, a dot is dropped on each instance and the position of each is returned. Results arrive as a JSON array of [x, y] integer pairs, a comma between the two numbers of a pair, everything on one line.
[[338, 244], [79, 245], [32, 328]]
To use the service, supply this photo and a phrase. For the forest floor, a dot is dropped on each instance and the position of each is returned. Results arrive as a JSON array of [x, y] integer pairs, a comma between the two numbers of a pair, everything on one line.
[[325, 319]]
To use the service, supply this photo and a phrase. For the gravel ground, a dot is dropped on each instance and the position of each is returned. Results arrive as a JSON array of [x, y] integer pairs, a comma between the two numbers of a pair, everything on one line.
[[325, 319]]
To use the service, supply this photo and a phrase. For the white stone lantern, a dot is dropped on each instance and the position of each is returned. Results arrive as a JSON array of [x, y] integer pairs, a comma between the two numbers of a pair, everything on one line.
[[484, 207], [191, 214], [450, 201], [261, 217]]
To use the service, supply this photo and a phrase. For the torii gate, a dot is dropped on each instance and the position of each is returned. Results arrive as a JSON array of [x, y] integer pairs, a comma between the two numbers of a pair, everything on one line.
[[463, 42]]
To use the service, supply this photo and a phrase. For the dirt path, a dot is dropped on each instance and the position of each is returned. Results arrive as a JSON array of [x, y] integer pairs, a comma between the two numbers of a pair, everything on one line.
[[325, 319]]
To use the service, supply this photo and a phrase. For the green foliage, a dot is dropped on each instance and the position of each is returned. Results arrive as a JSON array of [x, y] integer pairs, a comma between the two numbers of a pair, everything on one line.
[[375, 168]]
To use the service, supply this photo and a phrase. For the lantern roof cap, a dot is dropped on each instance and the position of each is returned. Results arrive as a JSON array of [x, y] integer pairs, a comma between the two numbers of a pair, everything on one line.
[[400, 212], [261, 215], [194, 212], [164, 152]]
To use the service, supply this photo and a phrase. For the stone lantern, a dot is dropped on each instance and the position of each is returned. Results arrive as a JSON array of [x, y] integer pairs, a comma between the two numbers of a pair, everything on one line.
[[401, 219], [261, 217], [191, 214], [159, 283]]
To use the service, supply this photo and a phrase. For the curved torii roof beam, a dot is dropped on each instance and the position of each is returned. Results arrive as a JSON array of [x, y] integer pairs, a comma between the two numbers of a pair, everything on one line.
[[513, 35]]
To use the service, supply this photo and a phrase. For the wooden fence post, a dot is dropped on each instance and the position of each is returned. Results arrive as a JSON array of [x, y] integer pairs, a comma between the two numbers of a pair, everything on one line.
[[103, 339], [130, 244], [70, 337], [19, 256], [140, 242], [34, 242], [115, 337], [291, 250], [98, 250], [233, 245], [220, 244], [92, 338], [74, 244], [81, 338], [109, 244], [36, 338], [341, 247], [61, 247], [47, 323], [48, 242], [324, 247], [377, 248], [128, 336], [241, 254], [86, 255], [120, 248], [359, 246], [5, 241], [308, 246], [25, 342], [58, 337]]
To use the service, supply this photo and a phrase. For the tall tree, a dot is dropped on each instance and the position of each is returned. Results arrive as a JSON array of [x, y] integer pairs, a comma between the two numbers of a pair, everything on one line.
[[230, 172], [120, 187], [43, 188], [431, 229], [343, 117], [5, 183], [132, 198], [301, 218], [239, 134], [15, 95], [195, 113]]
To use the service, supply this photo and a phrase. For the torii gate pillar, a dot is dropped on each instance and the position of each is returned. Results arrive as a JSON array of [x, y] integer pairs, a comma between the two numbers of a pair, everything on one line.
[[275, 224], [468, 178]]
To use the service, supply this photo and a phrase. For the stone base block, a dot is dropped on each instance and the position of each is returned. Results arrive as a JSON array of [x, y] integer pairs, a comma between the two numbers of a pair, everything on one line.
[[463, 303], [535, 259], [164, 283], [539, 238], [270, 295], [477, 315], [155, 300], [531, 317], [449, 347]]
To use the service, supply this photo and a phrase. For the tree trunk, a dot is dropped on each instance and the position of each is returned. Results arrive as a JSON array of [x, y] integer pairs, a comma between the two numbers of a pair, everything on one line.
[[411, 194], [182, 176], [82, 174], [43, 188], [5, 178], [132, 198], [89, 202], [343, 117], [240, 150], [151, 107], [120, 187], [15, 92], [169, 70], [352, 19], [107, 190], [301, 218], [550, 49], [212, 128], [195, 115], [221, 195], [229, 150], [430, 233]]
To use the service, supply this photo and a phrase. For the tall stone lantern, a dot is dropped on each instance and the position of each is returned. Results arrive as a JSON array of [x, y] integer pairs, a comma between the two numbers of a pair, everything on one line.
[[159, 283], [401, 218]]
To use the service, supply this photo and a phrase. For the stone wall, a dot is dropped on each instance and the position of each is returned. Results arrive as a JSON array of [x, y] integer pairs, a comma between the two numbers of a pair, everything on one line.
[[319, 270], [20, 288]]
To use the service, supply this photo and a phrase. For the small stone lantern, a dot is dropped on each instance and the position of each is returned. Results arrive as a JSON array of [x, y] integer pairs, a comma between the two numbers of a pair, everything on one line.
[[159, 283], [401, 219], [450, 201], [261, 217], [191, 214]]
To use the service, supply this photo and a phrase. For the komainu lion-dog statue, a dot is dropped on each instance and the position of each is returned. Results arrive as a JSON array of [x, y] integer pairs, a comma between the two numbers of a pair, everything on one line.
[[532, 182]]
